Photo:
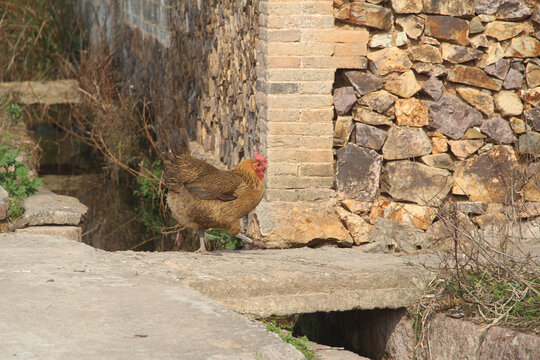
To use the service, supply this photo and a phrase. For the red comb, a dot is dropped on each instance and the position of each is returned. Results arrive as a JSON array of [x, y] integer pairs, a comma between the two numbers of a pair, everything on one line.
[[261, 159]]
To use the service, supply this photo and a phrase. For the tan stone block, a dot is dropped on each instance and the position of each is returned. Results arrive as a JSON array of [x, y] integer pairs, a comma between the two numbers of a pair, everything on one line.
[[299, 128], [316, 142], [282, 168], [315, 87], [333, 62], [324, 170], [290, 141], [279, 35], [300, 74], [299, 49], [439, 145], [317, 115], [315, 194], [280, 195], [292, 7], [301, 101], [301, 155], [294, 22], [357, 35], [283, 115], [283, 61], [350, 49]]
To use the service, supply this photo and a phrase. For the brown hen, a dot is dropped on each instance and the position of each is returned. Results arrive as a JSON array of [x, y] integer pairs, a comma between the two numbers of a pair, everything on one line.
[[204, 197]]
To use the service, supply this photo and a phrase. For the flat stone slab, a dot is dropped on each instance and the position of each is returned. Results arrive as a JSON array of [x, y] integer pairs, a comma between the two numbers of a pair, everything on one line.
[[42, 92], [65, 300], [69, 232], [46, 208], [293, 281]]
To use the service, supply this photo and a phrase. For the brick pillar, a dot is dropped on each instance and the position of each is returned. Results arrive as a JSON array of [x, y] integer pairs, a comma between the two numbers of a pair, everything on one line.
[[299, 51]]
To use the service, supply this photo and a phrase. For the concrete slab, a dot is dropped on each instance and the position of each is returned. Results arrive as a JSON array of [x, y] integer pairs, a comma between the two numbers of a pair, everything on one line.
[[62, 299], [292, 281]]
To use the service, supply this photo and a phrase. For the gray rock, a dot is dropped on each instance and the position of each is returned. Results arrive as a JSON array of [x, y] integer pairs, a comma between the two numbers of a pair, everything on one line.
[[344, 99], [458, 54], [532, 116], [451, 116], [52, 209], [518, 65], [388, 236], [370, 136], [357, 173], [449, 7], [471, 207], [69, 232], [498, 130], [498, 69], [380, 101], [368, 116], [412, 181], [475, 26], [503, 9], [529, 143], [441, 161], [513, 80], [364, 82], [433, 87], [405, 142], [536, 15]]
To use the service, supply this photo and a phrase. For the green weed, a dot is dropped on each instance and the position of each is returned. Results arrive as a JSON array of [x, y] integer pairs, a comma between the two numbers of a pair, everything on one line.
[[221, 239], [14, 111], [301, 343]]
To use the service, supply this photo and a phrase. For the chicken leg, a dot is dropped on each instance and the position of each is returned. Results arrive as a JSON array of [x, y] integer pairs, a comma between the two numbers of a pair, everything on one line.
[[202, 247], [246, 239]]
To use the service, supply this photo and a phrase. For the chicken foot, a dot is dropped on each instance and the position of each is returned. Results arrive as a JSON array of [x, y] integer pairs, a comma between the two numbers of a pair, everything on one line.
[[246, 239], [202, 247]]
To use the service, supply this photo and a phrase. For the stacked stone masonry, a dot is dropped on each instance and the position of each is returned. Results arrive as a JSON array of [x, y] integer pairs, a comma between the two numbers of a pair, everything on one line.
[[445, 110]]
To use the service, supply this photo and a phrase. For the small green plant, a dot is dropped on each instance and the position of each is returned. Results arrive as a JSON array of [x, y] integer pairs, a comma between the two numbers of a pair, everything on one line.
[[14, 111], [300, 343], [15, 179], [220, 239]]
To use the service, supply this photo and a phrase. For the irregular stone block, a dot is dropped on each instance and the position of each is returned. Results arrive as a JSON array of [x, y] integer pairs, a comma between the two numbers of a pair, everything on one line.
[[479, 41], [517, 125], [480, 99], [380, 101], [357, 207], [498, 130], [388, 40], [448, 28], [429, 69], [69, 232], [493, 54], [357, 227], [471, 207], [342, 130], [412, 25], [473, 76], [370, 136], [364, 82], [487, 177], [366, 14], [407, 6], [498, 69], [388, 236], [475, 26], [52, 209], [529, 143], [389, 60], [411, 112], [503, 9], [441, 161], [532, 116], [449, 7], [502, 30], [404, 85], [403, 142], [532, 72], [457, 54], [404, 214], [344, 99], [415, 182], [433, 87], [508, 103], [462, 149], [532, 96], [523, 47], [451, 116], [357, 173], [513, 80], [370, 117], [426, 53], [531, 190], [439, 145]]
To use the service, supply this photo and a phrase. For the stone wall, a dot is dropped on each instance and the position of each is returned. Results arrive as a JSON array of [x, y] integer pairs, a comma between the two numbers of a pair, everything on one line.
[[447, 109]]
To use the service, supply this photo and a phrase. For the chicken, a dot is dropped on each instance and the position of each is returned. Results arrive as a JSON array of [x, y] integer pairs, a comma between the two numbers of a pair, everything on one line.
[[204, 197]]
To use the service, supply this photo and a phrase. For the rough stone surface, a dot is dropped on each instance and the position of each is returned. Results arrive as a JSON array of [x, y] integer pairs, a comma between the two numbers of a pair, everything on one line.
[[357, 173], [366, 14], [433, 87], [413, 25], [486, 177], [404, 85], [451, 116], [411, 112], [473, 76], [342, 130], [523, 47], [462, 149], [504, 9], [439, 145], [494, 53], [532, 96], [41, 92], [356, 207], [450, 7], [498, 69], [471, 207], [370, 136], [388, 40], [52, 209], [404, 214], [457, 54], [441, 161], [429, 69], [364, 82], [517, 125], [502, 30], [69, 232], [498, 130], [357, 227], [368, 116], [388, 60], [426, 53], [532, 116], [407, 6], [529, 143], [532, 73], [513, 80], [418, 183], [531, 190], [448, 28], [344, 99], [475, 25], [380, 101], [479, 41], [52, 288], [480, 99], [390, 237], [405, 142], [508, 103]]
